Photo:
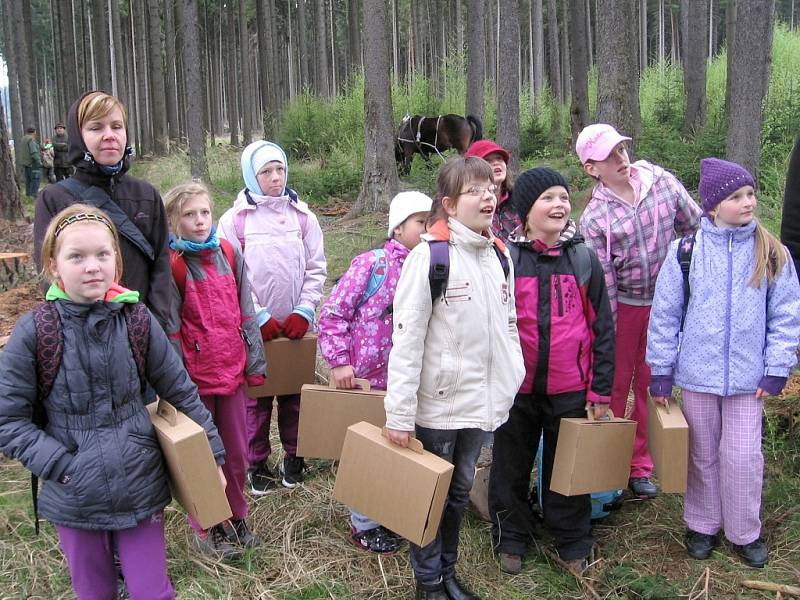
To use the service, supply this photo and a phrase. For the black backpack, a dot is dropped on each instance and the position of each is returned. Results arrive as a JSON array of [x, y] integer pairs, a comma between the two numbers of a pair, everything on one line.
[[439, 269]]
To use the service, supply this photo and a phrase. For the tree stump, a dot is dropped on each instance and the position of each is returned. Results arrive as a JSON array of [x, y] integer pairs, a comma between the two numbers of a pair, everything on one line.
[[14, 269]]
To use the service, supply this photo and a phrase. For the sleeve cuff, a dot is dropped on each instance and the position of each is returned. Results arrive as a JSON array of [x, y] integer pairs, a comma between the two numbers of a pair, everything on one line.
[[772, 384], [255, 380], [596, 398], [341, 360], [262, 316], [661, 385], [305, 312]]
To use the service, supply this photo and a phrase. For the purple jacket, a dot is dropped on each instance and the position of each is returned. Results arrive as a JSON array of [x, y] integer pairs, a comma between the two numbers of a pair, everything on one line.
[[361, 336]]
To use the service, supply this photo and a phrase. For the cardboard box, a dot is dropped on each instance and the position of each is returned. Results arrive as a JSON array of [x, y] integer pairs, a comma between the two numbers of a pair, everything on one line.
[[193, 474], [403, 489], [290, 365], [327, 412], [668, 439], [592, 456]]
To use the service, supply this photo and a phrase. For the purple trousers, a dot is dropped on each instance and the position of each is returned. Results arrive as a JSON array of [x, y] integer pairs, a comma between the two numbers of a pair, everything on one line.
[[142, 556], [726, 467], [259, 416], [230, 417]]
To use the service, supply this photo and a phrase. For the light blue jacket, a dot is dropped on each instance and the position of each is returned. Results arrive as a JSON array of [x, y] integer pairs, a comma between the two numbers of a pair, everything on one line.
[[734, 334]]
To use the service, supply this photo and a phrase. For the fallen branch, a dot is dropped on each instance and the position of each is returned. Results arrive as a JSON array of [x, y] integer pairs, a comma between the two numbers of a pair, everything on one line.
[[703, 593], [768, 586]]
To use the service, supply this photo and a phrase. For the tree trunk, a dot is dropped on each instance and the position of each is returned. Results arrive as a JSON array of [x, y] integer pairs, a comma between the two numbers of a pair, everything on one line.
[[354, 34], [231, 87], [245, 91], [579, 67], [100, 42], [157, 94], [554, 63], [24, 65], [9, 50], [194, 89], [751, 59], [491, 42], [70, 72], [323, 83], [566, 79], [694, 65], [10, 201], [170, 78], [380, 170], [117, 53], [537, 45], [643, 53], [265, 58], [508, 87], [617, 67], [476, 57], [730, 36], [302, 44], [140, 76]]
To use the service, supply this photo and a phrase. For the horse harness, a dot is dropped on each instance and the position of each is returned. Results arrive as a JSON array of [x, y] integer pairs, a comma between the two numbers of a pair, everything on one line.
[[417, 139]]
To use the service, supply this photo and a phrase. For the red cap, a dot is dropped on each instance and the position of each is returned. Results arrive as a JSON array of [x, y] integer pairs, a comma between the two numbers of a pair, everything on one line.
[[483, 148]]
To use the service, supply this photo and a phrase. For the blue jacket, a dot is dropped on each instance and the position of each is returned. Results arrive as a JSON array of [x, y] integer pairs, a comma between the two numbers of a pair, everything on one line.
[[734, 333]]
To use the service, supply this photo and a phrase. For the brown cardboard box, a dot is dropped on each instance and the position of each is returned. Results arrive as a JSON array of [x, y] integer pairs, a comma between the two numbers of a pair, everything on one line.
[[668, 435], [403, 489], [290, 364], [326, 413], [592, 456], [193, 474]]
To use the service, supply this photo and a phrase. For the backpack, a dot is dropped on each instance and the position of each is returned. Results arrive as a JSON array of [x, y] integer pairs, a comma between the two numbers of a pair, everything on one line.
[[50, 349], [178, 264], [439, 269], [377, 275]]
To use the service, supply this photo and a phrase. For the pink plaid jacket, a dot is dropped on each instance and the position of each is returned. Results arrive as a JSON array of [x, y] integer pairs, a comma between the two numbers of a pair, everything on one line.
[[632, 241]]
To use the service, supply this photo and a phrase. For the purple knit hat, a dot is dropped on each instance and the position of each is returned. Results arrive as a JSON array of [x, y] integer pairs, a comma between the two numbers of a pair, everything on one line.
[[719, 179]]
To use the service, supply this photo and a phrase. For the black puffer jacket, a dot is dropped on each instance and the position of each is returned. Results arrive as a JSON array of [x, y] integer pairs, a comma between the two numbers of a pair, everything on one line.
[[138, 199], [98, 431]]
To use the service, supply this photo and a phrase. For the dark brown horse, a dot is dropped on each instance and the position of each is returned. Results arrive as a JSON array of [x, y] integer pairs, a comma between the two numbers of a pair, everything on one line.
[[434, 135]]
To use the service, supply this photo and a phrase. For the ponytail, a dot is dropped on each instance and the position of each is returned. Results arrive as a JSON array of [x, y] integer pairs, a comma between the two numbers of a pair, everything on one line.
[[770, 257]]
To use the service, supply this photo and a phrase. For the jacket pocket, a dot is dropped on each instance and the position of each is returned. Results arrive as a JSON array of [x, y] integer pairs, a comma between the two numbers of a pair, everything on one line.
[[458, 290]]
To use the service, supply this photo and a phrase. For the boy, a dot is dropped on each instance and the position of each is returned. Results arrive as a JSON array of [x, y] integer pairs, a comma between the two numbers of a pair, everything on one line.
[[634, 213]]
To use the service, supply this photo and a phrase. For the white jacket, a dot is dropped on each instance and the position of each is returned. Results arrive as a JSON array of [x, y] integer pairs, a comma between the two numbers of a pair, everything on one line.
[[458, 364]]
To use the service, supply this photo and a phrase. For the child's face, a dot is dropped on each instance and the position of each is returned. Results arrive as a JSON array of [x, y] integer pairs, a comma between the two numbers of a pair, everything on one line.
[[474, 207], [196, 219], [495, 160], [738, 208], [614, 170], [272, 178], [85, 261], [408, 232], [105, 138], [549, 214]]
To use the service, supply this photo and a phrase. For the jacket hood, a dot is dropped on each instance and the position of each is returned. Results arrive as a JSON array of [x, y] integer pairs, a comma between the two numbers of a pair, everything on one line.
[[255, 156], [79, 156]]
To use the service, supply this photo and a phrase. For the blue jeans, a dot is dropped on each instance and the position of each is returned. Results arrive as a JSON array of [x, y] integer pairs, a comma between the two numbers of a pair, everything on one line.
[[32, 177], [460, 447]]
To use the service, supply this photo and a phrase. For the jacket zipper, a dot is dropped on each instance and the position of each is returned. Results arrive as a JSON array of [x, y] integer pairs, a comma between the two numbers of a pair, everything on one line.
[[558, 295], [726, 345]]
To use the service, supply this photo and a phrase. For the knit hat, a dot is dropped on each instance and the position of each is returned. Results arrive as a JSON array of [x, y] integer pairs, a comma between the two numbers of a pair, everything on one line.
[[530, 185], [597, 141], [405, 204], [719, 179], [59, 125], [483, 148], [254, 157]]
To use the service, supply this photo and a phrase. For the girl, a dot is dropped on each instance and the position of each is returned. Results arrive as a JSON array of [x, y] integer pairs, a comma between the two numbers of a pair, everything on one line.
[[47, 160], [736, 345], [104, 479], [281, 241], [505, 220], [562, 313], [449, 382], [98, 148], [212, 327], [355, 327]]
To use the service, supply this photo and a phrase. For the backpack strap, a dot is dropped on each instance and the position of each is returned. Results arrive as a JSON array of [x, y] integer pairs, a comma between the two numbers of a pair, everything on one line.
[[439, 269], [137, 320], [685, 249], [377, 275]]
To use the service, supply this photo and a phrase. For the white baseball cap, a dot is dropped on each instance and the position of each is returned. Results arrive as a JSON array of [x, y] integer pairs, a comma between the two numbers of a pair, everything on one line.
[[405, 204]]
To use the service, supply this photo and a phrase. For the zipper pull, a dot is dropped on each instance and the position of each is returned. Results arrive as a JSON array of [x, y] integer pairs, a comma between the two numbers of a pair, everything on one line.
[[245, 337], [196, 346], [730, 242]]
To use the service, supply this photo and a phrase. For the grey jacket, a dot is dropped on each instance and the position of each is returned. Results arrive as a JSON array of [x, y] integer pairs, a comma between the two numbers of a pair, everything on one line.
[[98, 430]]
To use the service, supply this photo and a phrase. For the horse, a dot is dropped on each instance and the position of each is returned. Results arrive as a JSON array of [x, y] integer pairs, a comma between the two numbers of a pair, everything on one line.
[[427, 135]]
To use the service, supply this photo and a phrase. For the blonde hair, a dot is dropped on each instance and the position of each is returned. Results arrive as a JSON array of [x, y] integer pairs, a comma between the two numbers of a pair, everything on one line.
[[96, 105], [77, 213], [454, 175], [177, 196]]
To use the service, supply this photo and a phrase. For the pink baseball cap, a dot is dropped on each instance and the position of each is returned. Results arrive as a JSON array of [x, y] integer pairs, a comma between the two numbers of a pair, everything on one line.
[[597, 141]]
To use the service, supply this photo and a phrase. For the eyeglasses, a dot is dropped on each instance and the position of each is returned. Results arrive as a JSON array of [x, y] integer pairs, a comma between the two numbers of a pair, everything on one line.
[[479, 190]]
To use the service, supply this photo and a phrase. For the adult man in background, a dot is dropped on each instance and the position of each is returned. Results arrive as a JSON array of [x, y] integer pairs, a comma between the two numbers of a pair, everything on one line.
[[30, 157]]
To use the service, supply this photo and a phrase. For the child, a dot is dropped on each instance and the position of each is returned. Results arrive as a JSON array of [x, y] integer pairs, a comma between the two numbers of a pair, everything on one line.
[[736, 345], [505, 220], [355, 327], [47, 160], [634, 213], [281, 241], [562, 313], [455, 363], [213, 328], [104, 479]]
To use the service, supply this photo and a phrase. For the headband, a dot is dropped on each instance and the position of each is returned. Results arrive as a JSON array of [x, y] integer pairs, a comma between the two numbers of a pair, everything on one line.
[[82, 217]]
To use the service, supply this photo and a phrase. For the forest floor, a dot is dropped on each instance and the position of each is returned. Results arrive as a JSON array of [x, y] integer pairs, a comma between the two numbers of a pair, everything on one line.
[[306, 552]]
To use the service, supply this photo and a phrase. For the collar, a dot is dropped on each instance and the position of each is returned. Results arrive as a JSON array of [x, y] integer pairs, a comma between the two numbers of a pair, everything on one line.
[[115, 293]]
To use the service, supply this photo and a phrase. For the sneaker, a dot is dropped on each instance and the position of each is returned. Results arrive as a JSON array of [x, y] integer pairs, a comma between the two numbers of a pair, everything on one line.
[[643, 488], [378, 539], [510, 563], [240, 534], [214, 543], [262, 479], [753, 554], [292, 470], [699, 545]]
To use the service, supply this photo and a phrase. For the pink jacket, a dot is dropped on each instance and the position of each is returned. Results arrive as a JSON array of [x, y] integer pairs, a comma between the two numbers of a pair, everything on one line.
[[361, 336], [283, 251]]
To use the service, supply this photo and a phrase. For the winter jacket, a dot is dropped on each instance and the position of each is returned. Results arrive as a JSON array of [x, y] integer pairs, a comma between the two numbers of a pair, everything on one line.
[[505, 220], [790, 221], [356, 333], [283, 251], [455, 363], [47, 156], [212, 324], [632, 241], [734, 334], [142, 204], [564, 319], [29, 154], [98, 429], [60, 150]]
